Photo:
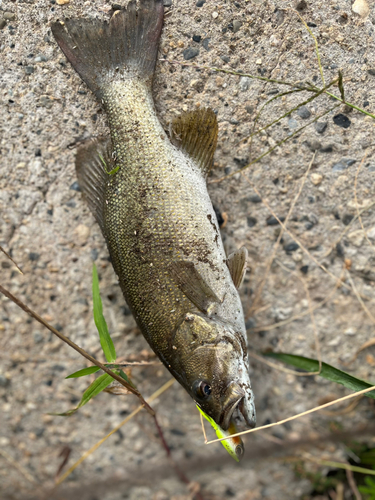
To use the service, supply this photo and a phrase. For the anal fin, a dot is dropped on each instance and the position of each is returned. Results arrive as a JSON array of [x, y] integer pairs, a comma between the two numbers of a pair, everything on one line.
[[93, 163], [192, 284], [195, 133], [237, 265]]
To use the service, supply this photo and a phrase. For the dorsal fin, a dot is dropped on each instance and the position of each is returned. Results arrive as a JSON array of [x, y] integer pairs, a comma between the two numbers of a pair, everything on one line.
[[237, 264], [92, 173], [195, 133]]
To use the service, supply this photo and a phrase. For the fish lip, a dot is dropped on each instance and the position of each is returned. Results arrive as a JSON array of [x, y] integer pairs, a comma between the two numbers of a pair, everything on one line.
[[251, 421], [228, 413]]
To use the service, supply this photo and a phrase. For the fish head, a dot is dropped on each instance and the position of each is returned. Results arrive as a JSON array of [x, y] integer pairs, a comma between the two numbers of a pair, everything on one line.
[[210, 361]]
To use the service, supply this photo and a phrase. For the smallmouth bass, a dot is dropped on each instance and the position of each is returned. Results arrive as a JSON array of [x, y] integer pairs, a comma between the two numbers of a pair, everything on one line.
[[148, 193]]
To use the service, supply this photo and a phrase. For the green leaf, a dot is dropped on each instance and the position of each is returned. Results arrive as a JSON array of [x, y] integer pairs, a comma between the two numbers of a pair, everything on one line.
[[328, 372], [101, 325], [93, 390], [126, 378], [84, 372], [111, 172]]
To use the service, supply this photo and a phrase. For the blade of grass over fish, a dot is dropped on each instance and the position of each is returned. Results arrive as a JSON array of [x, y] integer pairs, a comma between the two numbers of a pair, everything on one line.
[[100, 322], [229, 444], [328, 372], [93, 390], [84, 372], [111, 172]]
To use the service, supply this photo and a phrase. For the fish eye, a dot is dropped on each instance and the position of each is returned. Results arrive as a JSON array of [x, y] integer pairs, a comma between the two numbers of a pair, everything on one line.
[[202, 389]]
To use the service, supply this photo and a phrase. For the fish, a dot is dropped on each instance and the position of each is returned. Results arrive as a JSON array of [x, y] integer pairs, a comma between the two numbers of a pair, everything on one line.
[[148, 192]]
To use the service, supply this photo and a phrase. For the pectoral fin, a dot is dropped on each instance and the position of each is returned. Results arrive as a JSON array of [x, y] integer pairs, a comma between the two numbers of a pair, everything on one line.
[[191, 283], [237, 264], [196, 134]]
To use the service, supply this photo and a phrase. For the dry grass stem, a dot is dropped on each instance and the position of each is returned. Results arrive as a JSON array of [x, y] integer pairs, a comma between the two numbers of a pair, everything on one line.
[[154, 396], [299, 415], [357, 294], [347, 229], [260, 286], [303, 314], [344, 411], [19, 467], [10, 258], [356, 201]]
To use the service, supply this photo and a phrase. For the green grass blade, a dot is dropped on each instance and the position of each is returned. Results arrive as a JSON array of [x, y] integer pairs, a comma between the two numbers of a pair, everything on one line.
[[93, 390], [101, 325], [84, 372], [126, 378], [328, 372]]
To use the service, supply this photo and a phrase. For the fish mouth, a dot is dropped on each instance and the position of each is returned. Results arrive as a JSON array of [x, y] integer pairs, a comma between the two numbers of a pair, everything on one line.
[[228, 412], [240, 410]]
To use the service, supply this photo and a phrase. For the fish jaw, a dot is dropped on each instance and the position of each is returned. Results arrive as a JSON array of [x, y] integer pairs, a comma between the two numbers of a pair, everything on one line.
[[239, 407]]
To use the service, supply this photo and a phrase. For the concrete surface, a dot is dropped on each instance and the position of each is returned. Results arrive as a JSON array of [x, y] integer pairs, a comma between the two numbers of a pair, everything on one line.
[[47, 228]]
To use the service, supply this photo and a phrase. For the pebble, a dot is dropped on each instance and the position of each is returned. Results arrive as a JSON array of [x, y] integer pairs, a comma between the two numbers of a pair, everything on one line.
[[303, 112], [225, 58], [301, 5], [2, 23], [215, 15], [197, 38], [292, 123], [291, 247], [371, 72], [244, 83], [9, 16], [251, 221], [4, 382], [361, 8], [200, 3], [236, 26], [167, 3], [29, 70], [343, 164], [75, 186], [357, 237], [33, 256], [62, 2], [205, 43], [82, 234], [314, 145], [258, 61], [350, 331], [272, 221], [190, 53], [45, 101], [40, 58], [316, 178], [371, 233], [38, 337], [342, 120]]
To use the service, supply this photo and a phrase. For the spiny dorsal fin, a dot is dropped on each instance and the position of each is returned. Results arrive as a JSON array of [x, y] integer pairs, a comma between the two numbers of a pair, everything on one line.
[[237, 264], [191, 283], [93, 175], [196, 134]]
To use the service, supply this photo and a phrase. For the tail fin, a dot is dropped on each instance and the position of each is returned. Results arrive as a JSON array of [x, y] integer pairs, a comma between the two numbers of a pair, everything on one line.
[[125, 47]]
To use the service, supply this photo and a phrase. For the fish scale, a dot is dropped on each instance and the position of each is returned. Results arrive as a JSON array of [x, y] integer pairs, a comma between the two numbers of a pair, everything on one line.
[[179, 226]]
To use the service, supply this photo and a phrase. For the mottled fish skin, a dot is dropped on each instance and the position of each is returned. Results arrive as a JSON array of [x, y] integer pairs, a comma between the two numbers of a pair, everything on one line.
[[156, 217]]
